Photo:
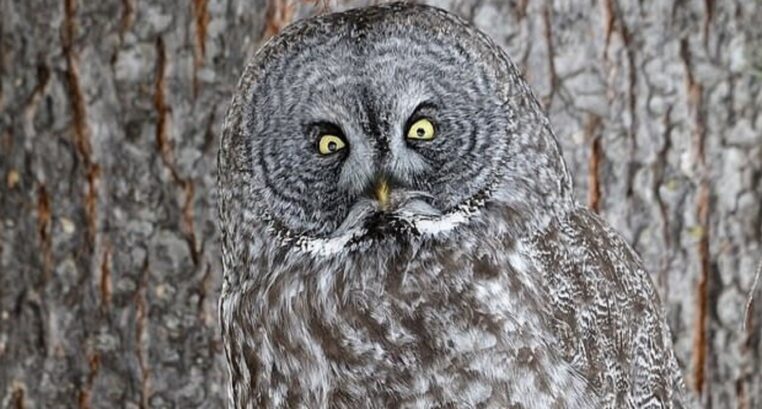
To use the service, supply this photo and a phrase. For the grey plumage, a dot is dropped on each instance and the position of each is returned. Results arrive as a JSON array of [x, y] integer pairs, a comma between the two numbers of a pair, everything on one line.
[[481, 283]]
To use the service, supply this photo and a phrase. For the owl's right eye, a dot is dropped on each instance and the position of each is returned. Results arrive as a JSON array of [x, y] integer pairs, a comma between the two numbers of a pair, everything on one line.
[[329, 144]]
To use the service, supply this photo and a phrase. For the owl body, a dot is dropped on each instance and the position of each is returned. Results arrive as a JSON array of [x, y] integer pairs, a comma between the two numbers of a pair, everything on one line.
[[449, 322], [399, 230]]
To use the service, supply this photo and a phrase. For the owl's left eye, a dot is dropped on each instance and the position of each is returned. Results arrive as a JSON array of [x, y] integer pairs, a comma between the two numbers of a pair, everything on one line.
[[422, 130], [329, 144]]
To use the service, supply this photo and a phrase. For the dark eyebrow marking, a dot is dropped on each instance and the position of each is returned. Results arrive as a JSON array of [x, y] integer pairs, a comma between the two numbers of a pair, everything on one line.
[[417, 113], [325, 128]]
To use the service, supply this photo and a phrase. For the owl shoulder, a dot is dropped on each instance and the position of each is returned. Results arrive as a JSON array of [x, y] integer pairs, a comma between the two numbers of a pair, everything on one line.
[[604, 310]]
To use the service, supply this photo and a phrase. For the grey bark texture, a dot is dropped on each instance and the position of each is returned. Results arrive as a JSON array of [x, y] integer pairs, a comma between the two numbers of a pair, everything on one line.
[[110, 116]]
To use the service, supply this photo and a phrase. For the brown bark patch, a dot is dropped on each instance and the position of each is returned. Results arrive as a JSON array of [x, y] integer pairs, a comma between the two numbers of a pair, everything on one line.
[[79, 113], [201, 18], [128, 16], [701, 346], [18, 397], [85, 393], [164, 145], [279, 14], [594, 163], [105, 279]]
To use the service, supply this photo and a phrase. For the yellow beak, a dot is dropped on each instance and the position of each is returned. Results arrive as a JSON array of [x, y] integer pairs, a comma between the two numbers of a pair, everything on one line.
[[382, 192]]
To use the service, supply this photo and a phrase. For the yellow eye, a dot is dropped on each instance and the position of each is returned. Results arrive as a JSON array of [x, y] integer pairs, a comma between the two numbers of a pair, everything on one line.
[[329, 144], [421, 129]]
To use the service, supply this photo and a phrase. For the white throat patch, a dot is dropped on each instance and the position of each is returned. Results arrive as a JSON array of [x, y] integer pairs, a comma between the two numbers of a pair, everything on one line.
[[423, 225]]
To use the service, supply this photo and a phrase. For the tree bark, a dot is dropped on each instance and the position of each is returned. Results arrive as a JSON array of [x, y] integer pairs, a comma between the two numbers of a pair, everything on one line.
[[110, 116]]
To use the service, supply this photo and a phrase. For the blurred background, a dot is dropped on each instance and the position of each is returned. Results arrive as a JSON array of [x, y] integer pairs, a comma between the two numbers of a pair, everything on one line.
[[110, 118]]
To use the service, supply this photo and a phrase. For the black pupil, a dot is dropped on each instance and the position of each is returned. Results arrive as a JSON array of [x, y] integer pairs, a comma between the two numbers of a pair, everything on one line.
[[420, 131], [332, 146]]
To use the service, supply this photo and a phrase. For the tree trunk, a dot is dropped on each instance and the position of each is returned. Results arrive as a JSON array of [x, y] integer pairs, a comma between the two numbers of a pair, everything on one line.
[[110, 116]]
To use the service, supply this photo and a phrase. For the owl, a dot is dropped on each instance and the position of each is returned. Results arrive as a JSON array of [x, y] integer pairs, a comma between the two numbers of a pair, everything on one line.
[[399, 230]]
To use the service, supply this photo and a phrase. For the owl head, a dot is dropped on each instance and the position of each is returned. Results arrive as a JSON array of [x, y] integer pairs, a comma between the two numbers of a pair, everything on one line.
[[385, 121]]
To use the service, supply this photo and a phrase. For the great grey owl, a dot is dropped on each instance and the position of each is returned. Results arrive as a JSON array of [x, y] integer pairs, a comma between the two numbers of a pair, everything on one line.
[[399, 230]]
